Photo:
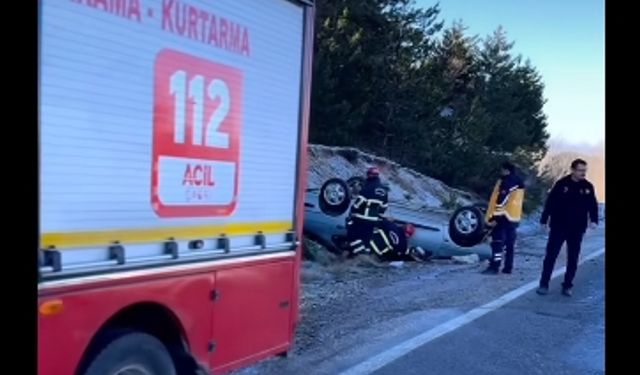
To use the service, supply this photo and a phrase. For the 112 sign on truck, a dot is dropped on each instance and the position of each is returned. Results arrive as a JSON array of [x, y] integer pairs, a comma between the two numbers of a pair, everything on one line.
[[172, 168]]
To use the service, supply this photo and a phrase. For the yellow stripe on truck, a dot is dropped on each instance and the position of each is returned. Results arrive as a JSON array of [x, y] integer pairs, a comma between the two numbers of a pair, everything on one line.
[[101, 238]]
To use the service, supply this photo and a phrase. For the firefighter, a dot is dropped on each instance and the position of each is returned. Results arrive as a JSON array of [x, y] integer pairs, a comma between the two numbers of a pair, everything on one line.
[[503, 215], [390, 242], [570, 207], [366, 211]]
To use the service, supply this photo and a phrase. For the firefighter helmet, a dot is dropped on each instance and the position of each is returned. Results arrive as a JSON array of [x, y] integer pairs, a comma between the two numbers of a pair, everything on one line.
[[373, 172], [409, 229]]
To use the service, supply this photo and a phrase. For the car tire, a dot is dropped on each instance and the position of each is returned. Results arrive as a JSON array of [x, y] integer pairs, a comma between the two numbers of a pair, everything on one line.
[[131, 353], [482, 207], [355, 184], [467, 227], [334, 198]]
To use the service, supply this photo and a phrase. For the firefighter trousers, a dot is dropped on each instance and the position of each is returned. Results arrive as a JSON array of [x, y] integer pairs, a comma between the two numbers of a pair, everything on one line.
[[359, 233]]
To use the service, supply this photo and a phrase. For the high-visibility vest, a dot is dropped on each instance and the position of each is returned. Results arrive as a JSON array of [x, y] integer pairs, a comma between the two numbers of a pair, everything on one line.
[[368, 209], [510, 207]]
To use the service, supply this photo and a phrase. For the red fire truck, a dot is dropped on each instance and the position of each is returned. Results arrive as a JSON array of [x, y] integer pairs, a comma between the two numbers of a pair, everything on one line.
[[172, 170]]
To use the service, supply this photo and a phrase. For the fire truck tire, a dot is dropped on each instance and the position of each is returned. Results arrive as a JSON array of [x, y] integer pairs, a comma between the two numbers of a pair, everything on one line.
[[335, 197], [134, 353]]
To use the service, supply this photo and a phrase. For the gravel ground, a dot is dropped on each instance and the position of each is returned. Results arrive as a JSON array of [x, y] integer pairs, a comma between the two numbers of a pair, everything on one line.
[[351, 309]]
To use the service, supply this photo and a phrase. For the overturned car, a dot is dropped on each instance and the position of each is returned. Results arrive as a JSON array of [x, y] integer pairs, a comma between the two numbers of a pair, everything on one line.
[[327, 207]]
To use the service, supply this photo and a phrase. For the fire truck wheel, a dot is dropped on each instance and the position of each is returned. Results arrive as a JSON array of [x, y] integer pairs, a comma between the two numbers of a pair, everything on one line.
[[134, 353], [335, 198]]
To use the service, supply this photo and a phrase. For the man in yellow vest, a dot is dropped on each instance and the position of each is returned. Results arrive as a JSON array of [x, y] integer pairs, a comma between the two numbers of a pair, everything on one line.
[[504, 214]]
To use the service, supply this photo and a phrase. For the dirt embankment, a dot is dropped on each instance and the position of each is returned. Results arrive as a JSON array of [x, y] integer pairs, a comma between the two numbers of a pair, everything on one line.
[[408, 187]]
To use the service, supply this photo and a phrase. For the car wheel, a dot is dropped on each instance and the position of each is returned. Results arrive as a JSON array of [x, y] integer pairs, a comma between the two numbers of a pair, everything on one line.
[[466, 226], [482, 207], [355, 184], [334, 198]]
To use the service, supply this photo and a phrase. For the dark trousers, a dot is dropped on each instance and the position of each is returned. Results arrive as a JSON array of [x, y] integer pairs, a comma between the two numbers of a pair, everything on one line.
[[557, 237], [503, 238], [359, 234]]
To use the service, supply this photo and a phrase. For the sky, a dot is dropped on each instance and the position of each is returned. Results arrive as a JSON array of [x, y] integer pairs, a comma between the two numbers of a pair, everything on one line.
[[564, 39]]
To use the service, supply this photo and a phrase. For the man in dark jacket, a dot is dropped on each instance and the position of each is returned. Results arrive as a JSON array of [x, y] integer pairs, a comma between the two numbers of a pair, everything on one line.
[[504, 213], [571, 206], [366, 211]]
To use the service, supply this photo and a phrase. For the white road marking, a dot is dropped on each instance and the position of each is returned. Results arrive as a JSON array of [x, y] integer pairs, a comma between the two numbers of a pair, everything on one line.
[[376, 362]]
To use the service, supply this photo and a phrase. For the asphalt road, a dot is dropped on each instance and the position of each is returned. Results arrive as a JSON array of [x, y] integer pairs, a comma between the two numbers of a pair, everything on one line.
[[356, 320], [533, 334]]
